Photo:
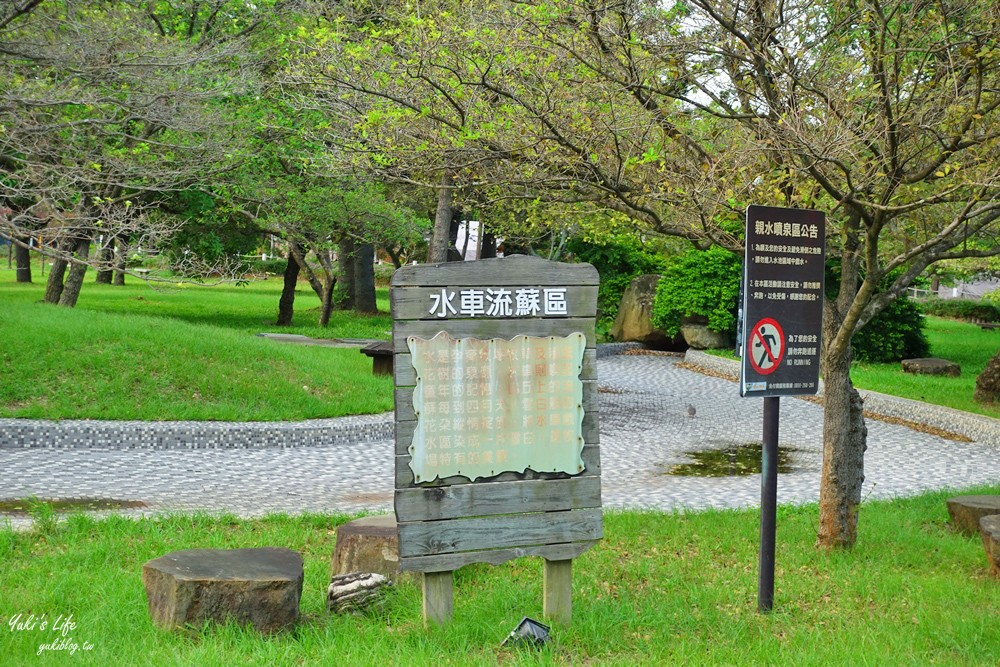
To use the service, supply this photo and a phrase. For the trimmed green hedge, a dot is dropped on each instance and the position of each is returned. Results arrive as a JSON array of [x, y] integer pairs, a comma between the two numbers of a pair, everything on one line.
[[963, 309]]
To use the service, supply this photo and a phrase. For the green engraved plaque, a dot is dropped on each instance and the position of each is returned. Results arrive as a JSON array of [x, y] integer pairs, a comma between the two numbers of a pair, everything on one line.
[[490, 406]]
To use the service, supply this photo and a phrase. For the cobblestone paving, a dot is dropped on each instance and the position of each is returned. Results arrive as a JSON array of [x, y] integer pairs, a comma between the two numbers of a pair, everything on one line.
[[652, 412]]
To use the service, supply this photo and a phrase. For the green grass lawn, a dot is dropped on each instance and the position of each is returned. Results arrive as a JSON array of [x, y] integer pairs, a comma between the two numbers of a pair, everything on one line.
[[180, 353], [966, 344], [191, 352], [659, 589]]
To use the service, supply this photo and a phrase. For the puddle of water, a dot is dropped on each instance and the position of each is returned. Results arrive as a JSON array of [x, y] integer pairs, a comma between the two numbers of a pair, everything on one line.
[[22, 506], [732, 461]]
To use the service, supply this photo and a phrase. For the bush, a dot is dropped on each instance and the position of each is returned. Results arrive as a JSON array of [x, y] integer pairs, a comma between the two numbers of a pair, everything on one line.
[[894, 334], [276, 266], [618, 260], [703, 283], [963, 309]]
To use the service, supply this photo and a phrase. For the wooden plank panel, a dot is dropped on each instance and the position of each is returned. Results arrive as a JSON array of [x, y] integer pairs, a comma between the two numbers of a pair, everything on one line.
[[427, 538], [486, 329], [415, 303], [404, 401], [487, 499], [404, 475], [514, 270], [449, 562], [404, 432], [406, 375]]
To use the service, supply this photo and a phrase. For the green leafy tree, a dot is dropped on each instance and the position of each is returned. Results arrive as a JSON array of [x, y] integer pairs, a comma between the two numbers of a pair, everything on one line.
[[884, 114]]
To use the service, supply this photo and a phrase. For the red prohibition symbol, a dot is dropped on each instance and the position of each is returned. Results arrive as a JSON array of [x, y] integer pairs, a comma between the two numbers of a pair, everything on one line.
[[766, 346]]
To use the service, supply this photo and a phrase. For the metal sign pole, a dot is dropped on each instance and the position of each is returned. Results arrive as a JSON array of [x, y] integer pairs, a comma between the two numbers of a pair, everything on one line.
[[768, 504]]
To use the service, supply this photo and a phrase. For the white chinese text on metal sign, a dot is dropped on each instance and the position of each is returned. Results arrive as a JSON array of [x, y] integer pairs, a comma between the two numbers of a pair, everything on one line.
[[782, 307], [499, 302], [490, 406]]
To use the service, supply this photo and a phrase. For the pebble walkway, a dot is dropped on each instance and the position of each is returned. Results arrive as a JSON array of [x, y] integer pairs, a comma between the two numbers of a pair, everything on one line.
[[653, 411]]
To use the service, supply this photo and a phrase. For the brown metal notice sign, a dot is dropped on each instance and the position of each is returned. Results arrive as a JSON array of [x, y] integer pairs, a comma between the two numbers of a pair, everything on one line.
[[781, 314]]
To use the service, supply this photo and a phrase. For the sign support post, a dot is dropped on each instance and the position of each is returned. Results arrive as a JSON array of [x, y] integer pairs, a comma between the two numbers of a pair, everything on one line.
[[781, 313], [768, 504]]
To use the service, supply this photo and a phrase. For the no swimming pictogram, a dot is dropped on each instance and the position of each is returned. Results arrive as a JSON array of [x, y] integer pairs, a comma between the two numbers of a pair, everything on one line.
[[766, 346]]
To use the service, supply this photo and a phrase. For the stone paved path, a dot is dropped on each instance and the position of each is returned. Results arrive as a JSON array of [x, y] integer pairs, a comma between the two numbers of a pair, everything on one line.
[[646, 426]]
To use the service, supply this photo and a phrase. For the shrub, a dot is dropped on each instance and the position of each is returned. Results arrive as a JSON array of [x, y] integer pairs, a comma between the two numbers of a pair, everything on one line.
[[276, 266], [702, 283], [963, 309], [894, 334], [618, 260]]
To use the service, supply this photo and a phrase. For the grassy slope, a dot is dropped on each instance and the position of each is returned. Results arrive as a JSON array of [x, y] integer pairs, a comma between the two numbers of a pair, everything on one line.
[[659, 589], [136, 353], [966, 344]]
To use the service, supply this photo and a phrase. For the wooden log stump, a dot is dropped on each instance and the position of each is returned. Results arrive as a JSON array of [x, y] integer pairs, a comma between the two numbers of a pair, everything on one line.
[[259, 587], [966, 511], [368, 544], [356, 593], [989, 529]]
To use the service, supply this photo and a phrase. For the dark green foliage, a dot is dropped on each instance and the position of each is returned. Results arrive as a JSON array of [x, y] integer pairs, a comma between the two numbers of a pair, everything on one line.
[[618, 260], [274, 266], [703, 283], [894, 334], [963, 309]]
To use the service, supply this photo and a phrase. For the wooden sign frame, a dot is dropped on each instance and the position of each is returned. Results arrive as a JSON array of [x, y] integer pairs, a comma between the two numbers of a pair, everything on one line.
[[447, 523]]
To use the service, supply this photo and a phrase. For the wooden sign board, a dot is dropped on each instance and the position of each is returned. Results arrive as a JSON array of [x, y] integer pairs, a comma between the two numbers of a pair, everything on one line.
[[495, 365]]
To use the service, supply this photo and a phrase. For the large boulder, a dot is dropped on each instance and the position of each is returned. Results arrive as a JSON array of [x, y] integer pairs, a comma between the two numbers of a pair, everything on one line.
[[932, 366], [988, 382], [698, 336], [261, 587], [634, 322]]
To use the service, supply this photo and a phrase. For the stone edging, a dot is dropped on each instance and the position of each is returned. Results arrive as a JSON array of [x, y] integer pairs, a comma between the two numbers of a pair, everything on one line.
[[96, 434], [977, 427]]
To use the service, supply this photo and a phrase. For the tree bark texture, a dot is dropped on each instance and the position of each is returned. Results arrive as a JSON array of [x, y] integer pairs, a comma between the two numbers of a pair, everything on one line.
[[844, 445], [438, 250], [22, 257], [106, 271], [286, 304], [346, 260], [364, 279], [298, 251], [327, 300], [54, 285], [78, 269]]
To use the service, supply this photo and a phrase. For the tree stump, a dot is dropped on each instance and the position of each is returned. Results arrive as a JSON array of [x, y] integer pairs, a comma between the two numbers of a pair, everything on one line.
[[260, 587], [368, 544], [356, 593], [989, 529], [966, 511]]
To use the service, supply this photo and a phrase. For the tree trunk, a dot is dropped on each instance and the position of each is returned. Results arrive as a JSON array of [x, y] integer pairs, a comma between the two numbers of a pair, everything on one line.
[[298, 251], [364, 279], [327, 299], [23, 258], [120, 259], [54, 286], [844, 445], [438, 250], [106, 271], [489, 246], [286, 304], [347, 254], [71, 291]]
